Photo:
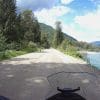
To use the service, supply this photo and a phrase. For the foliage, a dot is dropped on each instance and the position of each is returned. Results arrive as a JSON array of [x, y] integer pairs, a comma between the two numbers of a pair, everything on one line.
[[8, 20], [87, 46], [44, 41], [37, 31], [30, 27], [27, 24], [73, 52], [10, 53], [31, 47], [17, 30], [67, 44], [14, 46], [48, 30], [21, 32], [51, 33], [2, 42], [64, 44], [58, 38], [68, 47], [29, 36]]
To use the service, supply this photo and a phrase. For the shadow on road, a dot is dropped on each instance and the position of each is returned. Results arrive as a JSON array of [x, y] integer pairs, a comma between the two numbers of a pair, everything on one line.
[[29, 81]]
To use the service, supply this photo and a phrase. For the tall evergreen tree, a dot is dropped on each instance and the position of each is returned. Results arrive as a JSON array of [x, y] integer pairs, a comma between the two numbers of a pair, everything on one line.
[[30, 26], [27, 19], [58, 38], [44, 41], [37, 31], [8, 19], [19, 29], [2, 42]]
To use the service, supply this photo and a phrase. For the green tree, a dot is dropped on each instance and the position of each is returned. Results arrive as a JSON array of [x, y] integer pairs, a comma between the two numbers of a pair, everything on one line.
[[8, 19], [64, 44], [2, 42], [30, 26], [44, 41], [58, 38], [27, 19], [19, 28], [37, 31]]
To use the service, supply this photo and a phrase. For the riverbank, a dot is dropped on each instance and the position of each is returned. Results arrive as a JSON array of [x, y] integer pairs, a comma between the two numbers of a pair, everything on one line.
[[88, 67], [87, 58]]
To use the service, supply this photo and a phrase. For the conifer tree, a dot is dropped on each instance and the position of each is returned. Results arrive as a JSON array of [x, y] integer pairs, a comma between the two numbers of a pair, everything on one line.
[[58, 38], [8, 19]]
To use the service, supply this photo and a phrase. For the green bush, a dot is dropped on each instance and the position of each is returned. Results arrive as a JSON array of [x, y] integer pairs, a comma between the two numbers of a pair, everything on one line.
[[10, 53], [69, 49], [2, 42], [31, 47], [14, 46], [73, 52], [44, 41], [63, 45], [2, 56]]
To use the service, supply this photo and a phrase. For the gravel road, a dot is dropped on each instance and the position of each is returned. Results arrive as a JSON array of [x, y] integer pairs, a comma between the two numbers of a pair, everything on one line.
[[25, 77]]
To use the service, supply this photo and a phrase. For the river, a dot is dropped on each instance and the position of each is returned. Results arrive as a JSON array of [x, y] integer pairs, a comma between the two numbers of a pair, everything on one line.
[[94, 59]]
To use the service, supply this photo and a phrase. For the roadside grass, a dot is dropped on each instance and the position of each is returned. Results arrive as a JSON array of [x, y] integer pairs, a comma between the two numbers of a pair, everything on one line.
[[10, 53], [13, 53], [72, 52]]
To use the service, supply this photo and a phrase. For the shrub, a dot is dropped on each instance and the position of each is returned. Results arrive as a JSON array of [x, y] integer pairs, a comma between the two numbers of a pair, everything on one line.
[[31, 47], [2, 42], [14, 46], [73, 52], [10, 53], [44, 41]]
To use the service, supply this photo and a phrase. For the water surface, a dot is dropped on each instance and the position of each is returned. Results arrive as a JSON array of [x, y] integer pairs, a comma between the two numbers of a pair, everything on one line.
[[94, 59]]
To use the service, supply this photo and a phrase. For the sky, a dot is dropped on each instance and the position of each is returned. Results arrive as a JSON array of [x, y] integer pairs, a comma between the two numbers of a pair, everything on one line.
[[79, 18]]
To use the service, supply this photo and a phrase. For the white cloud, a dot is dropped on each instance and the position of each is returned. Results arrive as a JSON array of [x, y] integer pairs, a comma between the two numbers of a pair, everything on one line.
[[70, 30], [80, 35], [50, 16], [90, 21], [66, 1], [91, 25]]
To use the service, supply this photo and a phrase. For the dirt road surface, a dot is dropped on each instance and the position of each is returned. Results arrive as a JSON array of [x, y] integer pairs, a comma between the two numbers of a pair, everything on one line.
[[25, 77]]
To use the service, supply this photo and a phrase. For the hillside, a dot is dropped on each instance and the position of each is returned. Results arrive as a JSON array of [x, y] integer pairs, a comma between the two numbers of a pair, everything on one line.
[[96, 43], [50, 31]]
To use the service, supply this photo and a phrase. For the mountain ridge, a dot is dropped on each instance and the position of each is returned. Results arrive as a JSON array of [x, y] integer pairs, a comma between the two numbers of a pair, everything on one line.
[[50, 32], [96, 43]]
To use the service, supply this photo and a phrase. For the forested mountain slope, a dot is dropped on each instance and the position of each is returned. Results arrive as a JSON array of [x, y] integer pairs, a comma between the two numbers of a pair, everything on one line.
[[50, 31]]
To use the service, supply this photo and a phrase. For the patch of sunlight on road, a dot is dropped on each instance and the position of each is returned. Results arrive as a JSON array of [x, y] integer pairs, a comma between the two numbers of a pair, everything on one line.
[[10, 76], [7, 69], [18, 62], [37, 80], [24, 59], [51, 67], [76, 74], [85, 81]]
